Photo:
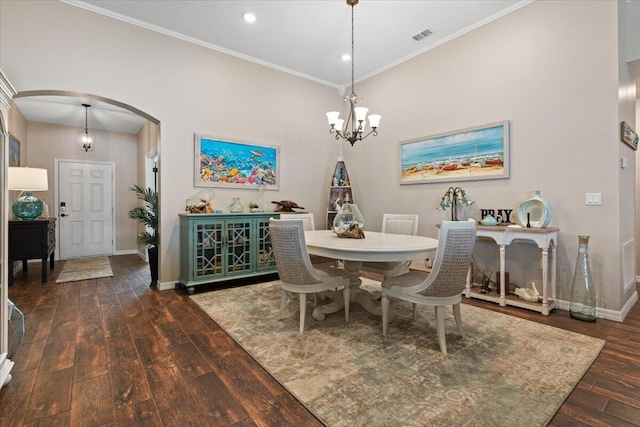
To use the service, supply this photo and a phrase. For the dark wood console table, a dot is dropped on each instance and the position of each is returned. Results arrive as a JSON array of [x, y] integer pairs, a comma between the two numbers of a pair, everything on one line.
[[34, 239]]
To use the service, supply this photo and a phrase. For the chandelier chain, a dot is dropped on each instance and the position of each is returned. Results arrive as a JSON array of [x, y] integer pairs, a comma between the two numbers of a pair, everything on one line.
[[353, 59]]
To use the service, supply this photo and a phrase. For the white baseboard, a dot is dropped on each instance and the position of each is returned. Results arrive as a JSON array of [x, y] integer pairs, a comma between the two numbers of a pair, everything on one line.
[[605, 313], [144, 256], [126, 252], [166, 286]]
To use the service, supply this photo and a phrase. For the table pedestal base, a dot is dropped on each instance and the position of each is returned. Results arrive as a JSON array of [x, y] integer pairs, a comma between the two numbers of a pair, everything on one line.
[[362, 297]]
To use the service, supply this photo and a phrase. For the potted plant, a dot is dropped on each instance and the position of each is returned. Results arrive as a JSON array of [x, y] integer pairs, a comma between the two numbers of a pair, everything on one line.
[[253, 207], [148, 216]]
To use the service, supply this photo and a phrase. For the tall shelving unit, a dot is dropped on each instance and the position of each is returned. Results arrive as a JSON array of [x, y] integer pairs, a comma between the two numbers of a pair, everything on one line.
[[339, 192]]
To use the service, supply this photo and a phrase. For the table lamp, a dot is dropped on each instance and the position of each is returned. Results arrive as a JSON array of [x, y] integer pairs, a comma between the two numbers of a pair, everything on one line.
[[27, 207]]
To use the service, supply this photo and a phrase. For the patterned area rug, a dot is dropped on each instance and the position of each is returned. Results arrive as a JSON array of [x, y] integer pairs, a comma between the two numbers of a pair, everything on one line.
[[508, 371], [85, 268]]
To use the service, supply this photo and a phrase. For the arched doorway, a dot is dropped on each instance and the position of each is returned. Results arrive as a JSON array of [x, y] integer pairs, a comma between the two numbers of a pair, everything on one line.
[[66, 107]]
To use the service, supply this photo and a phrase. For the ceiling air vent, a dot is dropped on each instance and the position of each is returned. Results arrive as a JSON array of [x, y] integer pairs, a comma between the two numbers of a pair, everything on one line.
[[422, 35]]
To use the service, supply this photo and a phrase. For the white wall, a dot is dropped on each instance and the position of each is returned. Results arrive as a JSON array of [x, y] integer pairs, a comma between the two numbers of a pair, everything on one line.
[[48, 142], [543, 67], [188, 88], [545, 70]]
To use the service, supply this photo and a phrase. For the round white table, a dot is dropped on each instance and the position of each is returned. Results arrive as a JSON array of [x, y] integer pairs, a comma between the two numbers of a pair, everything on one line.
[[381, 247]]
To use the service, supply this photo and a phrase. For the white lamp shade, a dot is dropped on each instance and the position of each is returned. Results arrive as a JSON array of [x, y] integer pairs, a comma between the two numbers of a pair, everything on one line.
[[28, 179], [339, 124], [374, 120], [361, 113], [332, 116]]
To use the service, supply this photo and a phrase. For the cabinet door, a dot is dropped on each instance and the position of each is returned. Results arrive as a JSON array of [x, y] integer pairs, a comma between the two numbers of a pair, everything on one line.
[[238, 251], [208, 247], [265, 258]]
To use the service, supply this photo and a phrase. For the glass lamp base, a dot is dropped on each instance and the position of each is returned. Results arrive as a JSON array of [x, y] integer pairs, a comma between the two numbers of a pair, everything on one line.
[[27, 207]]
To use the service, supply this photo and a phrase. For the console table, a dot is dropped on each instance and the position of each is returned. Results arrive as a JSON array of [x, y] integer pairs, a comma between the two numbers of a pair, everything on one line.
[[546, 239], [33, 239]]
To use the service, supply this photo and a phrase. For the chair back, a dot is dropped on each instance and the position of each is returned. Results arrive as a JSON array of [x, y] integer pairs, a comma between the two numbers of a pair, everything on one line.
[[307, 219], [400, 224], [290, 250], [455, 247]]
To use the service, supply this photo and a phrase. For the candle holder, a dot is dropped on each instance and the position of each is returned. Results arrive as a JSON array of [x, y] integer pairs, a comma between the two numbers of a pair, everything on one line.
[[454, 198]]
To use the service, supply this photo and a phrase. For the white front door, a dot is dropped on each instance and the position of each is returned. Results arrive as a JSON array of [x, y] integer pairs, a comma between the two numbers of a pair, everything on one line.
[[85, 209]]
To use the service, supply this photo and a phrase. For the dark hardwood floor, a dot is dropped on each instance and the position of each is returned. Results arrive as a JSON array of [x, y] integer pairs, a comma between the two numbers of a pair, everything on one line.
[[117, 352]]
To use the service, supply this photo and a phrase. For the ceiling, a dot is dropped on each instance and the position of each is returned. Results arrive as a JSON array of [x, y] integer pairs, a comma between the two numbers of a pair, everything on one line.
[[306, 38]]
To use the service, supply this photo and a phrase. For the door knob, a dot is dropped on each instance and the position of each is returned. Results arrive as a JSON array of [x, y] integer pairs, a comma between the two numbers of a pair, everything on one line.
[[64, 214]]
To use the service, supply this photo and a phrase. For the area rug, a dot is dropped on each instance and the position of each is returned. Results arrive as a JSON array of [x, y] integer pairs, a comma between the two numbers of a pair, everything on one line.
[[507, 371], [85, 268]]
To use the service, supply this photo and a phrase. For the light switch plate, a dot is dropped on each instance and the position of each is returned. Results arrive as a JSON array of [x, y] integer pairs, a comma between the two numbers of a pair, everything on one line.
[[594, 199]]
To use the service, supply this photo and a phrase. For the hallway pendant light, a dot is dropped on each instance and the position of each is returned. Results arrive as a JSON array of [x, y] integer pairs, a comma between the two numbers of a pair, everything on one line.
[[86, 139], [352, 129]]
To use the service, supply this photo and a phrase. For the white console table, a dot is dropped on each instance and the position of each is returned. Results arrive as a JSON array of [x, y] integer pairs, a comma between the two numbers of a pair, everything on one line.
[[545, 238]]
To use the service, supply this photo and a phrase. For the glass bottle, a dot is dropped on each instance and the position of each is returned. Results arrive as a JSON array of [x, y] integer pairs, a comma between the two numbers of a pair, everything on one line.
[[236, 206], [583, 292]]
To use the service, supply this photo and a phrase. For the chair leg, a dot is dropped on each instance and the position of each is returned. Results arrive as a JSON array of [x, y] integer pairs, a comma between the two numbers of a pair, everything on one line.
[[440, 327], [385, 313], [456, 314], [303, 311], [346, 294], [283, 302], [415, 306]]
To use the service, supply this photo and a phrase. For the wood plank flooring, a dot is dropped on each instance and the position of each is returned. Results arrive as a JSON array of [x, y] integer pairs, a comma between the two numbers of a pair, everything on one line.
[[116, 352]]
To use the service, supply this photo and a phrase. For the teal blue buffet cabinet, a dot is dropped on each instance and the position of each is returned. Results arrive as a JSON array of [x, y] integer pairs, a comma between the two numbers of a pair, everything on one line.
[[217, 247]]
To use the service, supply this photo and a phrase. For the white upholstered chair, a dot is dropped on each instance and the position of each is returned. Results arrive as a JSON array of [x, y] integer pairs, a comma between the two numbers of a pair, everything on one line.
[[309, 224], [307, 219], [296, 272], [446, 282], [395, 224]]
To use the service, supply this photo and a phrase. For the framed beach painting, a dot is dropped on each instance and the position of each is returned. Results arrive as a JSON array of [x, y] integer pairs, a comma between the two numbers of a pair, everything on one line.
[[222, 162], [480, 152], [14, 151]]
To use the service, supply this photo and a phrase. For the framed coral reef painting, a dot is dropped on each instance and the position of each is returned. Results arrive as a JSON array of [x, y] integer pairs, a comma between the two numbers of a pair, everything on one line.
[[480, 152], [14, 151], [222, 162]]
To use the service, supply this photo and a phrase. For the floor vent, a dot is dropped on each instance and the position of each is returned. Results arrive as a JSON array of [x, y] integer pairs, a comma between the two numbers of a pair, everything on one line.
[[628, 264], [422, 35]]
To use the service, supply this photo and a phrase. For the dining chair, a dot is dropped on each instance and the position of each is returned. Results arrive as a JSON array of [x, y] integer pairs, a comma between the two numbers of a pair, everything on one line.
[[395, 224], [309, 224], [296, 272], [444, 285]]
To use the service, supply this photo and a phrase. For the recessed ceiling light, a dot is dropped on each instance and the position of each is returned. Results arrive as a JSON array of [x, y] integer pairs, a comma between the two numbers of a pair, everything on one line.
[[346, 57], [249, 17]]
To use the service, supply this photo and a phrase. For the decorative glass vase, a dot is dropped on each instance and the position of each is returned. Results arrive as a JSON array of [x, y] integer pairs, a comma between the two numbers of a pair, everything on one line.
[[260, 197], [236, 206], [534, 212], [583, 292], [348, 221]]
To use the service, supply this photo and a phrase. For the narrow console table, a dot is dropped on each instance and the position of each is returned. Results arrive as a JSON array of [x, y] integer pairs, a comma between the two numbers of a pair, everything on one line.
[[34, 239], [546, 239]]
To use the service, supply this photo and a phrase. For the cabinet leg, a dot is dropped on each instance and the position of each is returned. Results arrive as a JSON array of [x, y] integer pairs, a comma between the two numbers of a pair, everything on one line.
[[190, 290], [24, 265], [44, 270], [51, 262]]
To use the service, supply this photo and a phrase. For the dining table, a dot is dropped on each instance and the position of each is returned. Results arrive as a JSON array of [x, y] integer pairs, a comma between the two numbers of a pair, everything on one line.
[[374, 247]]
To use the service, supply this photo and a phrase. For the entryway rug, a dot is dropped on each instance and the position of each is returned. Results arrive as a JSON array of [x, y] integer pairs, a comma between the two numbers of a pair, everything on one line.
[[85, 268], [508, 371]]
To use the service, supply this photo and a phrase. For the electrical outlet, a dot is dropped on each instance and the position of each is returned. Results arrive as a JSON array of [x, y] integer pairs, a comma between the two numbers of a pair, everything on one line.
[[594, 199]]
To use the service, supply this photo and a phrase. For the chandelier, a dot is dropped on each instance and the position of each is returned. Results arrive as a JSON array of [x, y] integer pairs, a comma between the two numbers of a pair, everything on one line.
[[353, 129], [86, 139]]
